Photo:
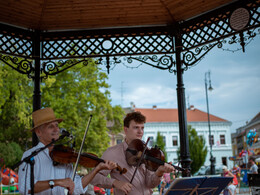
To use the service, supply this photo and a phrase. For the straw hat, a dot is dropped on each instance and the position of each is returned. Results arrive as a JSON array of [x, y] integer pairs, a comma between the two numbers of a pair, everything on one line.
[[43, 116]]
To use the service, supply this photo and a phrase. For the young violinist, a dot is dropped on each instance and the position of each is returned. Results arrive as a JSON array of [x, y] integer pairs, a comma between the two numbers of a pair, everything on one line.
[[144, 180], [50, 179]]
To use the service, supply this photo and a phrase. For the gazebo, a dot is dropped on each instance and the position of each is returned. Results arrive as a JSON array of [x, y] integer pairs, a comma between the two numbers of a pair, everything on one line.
[[37, 38]]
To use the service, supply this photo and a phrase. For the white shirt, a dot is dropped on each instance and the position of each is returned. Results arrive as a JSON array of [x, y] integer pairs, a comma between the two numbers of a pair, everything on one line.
[[232, 188], [253, 169], [45, 170]]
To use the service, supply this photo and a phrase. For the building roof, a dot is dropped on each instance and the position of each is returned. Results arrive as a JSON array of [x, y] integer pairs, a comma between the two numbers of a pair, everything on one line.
[[98, 14], [171, 115], [255, 119]]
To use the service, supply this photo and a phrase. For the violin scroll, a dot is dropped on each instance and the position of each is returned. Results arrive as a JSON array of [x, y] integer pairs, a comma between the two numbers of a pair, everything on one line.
[[120, 170]]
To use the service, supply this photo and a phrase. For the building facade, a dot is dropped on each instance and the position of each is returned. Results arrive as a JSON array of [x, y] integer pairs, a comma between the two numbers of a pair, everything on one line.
[[165, 121], [241, 146]]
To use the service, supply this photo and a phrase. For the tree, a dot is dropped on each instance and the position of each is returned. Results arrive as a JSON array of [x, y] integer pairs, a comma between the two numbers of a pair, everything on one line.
[[10, 154], [76, 94], [197, 148], [161, 144], [15, 106]]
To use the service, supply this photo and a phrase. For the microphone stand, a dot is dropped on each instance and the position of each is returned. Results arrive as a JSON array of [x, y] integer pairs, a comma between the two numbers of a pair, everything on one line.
[[30, 160]]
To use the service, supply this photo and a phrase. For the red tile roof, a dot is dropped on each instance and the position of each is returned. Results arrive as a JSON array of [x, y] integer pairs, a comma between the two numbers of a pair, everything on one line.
[[171, 115]]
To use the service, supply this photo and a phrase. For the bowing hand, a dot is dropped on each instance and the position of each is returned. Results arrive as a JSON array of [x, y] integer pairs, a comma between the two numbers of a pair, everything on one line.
[[108, 165], [166, 168], [66, 183], [124, 186]]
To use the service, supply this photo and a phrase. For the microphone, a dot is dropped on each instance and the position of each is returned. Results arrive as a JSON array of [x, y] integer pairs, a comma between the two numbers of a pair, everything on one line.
[[65, 133]]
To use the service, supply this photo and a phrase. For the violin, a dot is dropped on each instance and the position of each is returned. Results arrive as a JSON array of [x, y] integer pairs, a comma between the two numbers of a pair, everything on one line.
[[152, 158], [65, 155]]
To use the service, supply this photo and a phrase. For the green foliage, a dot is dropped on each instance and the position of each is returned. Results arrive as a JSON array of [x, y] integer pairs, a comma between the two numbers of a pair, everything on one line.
[[197, 148], [161, 144], [15, 106], [118, 114], [75, 95], [10, 154]]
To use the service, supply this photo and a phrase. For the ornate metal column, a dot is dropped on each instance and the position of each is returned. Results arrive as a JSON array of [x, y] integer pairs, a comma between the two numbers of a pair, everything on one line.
[[36, 50], [184, 140]]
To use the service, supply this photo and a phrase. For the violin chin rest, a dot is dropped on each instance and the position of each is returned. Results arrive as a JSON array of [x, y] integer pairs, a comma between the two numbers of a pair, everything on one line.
[[132, 160]]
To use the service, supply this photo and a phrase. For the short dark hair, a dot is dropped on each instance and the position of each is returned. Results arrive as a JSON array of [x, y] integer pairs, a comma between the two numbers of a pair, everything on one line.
[[252, 158], [137, 116]]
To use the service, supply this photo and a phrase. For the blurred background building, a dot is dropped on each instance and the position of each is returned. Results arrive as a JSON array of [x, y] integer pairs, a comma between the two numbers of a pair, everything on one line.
[[246, 142]]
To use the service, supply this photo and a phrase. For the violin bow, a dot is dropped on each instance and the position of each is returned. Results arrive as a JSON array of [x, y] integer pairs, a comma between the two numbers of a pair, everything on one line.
[[79, 153], [140, 160]]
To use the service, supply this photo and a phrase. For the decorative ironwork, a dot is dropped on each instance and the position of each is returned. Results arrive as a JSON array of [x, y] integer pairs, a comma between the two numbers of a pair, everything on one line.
[[110, 61], [192, 57], [100, 47], [243, 38], [55, 67], [165, 62], [14, 41], [21, 65], [58, 49], [216, 25]]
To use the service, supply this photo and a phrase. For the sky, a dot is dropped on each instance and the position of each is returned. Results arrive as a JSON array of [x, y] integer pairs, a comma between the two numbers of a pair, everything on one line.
[[235, 78]]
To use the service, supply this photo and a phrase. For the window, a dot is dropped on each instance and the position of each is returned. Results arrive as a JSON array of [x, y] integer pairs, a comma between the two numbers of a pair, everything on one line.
[[150, 144], [175, 140], [211, 141], [164, 140], [222, 139], [224, 161]]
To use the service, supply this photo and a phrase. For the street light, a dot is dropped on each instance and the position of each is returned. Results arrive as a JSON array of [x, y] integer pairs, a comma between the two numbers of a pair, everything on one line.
[[212, 159]]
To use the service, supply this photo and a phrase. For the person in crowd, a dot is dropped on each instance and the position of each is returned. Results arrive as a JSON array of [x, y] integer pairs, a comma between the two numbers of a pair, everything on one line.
[[144, 180], [236, 170], [48, 178], [230, 189], [227, 173], [253, 167], [162, 187], [253, 170], [167, 179]]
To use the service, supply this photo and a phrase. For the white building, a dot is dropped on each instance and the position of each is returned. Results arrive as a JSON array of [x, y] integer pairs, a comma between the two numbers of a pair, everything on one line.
[[166, 122]]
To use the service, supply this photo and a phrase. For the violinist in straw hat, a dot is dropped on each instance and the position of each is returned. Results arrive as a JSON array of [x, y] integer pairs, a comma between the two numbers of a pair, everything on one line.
[[50, 179]]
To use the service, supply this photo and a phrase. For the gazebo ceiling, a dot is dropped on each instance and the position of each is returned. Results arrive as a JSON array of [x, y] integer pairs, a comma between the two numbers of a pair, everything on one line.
[[54, 15]]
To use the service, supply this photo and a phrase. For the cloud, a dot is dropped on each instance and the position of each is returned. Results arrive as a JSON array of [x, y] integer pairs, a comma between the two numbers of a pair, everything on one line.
[[235, 78], [147, 95]]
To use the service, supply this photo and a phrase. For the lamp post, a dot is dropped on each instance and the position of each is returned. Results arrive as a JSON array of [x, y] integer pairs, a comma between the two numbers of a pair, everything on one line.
[[212, 159]]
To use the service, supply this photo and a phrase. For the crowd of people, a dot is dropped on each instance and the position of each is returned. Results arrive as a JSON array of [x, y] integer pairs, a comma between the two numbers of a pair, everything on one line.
[[235, 172]]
